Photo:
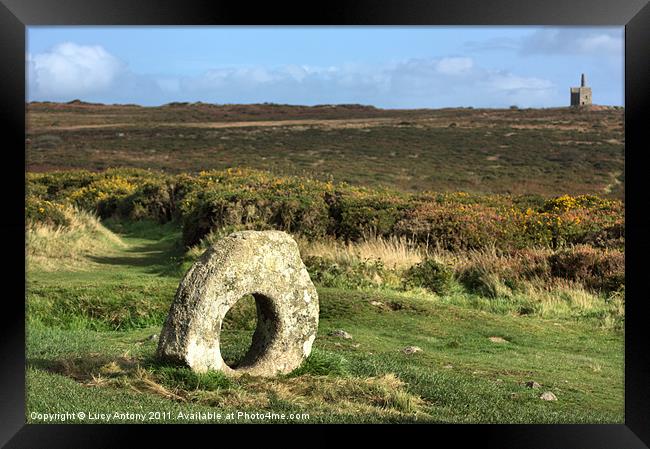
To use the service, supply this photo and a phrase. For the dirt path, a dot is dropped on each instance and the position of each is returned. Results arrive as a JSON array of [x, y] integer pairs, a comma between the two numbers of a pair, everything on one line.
[[334, 123], [76, 127], [615, 182]]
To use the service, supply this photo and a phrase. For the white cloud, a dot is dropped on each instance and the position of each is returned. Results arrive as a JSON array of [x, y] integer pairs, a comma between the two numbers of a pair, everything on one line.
[[296, 72], [423, 83], [601, 43], [454, 65], [73, 70], [518, 90], [595, 42], [563, 41], [506, 82], [493, 44], [288, 83], [90, 73]]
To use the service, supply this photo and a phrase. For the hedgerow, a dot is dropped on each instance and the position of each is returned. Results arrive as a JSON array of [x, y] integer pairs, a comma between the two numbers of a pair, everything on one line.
[[250, 199]]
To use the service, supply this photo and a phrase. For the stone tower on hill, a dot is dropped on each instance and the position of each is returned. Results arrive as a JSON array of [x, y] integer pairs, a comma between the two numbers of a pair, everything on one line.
[[581, 96]]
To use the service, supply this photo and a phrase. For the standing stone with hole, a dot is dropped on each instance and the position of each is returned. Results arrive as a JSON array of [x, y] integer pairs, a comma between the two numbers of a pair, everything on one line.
[[265, 264]]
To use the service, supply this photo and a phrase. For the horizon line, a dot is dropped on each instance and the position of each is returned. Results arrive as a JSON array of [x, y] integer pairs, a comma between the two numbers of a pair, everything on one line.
[[80, 102]]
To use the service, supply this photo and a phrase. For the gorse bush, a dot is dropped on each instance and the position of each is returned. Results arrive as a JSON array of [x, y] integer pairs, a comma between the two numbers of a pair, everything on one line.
[[249, 199], [103, 195], [45, 212], [304, 214], [56, 186], [358, 212], [153, 199], [432, 275], [566, 203]]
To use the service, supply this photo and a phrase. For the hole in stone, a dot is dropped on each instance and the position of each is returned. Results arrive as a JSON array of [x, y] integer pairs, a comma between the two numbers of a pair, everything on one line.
[[247, 331]]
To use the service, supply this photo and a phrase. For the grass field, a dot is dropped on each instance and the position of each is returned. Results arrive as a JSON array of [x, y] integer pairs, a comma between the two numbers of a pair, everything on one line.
[[520, 151], [89, 350]]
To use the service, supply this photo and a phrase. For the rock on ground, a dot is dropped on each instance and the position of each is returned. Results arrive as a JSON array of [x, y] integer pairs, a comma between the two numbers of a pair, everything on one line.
[[265, 264], [548, 396], [498, 340], [341, 334], [411, 349]]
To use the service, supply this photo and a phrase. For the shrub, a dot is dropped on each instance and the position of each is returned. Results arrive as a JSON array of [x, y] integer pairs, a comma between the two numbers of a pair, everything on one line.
[[45, 212], [153, 199], [430, 274], [484, 282], [103, 195], [357, 213], [451, 225], [529, 263], [56, 186], [354, 275], [567, 202], [257, 200], [595, 269]]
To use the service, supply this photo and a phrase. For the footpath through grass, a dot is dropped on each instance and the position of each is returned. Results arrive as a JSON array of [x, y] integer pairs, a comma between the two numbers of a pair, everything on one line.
[[90, 349]]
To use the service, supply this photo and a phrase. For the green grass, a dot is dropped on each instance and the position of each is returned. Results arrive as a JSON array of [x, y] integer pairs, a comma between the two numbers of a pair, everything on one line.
[[88, 349]]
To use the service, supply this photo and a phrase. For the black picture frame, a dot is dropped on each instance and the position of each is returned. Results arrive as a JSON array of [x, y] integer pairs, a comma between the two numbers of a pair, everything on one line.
[[15, 15]]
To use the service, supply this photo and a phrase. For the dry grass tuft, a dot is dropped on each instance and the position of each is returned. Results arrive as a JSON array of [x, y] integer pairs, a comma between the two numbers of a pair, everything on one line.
[[385, 394], [52, 248], [144, 381], [382, 395], [396, 253]]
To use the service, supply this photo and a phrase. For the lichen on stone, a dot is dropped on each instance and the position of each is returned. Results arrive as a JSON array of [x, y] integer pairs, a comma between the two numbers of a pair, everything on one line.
[[265, 264]]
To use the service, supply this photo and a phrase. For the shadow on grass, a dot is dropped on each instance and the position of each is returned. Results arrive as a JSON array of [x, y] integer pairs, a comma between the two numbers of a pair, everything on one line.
[[161, 257], [84, 368]]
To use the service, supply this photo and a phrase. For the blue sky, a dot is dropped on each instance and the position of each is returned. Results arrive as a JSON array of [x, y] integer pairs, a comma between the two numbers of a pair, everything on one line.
[[390, 67]]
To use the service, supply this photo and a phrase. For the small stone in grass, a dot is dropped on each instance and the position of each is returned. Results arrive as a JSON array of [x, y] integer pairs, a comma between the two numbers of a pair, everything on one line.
[[152, 337], [411, 350], [548, 396], [498, 340], [533, 384], [377, 303], [341, 334], [448, 366]]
